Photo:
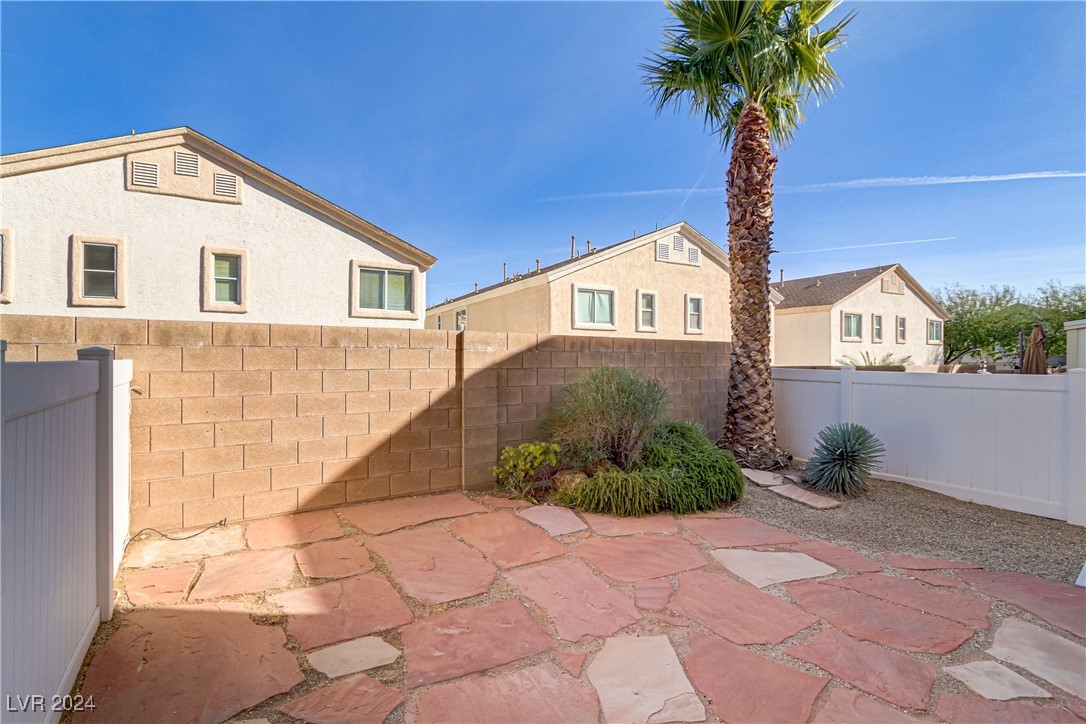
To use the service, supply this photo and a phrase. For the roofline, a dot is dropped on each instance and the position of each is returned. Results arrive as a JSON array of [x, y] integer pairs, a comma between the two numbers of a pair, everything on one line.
[[921, 292], [17, 164]]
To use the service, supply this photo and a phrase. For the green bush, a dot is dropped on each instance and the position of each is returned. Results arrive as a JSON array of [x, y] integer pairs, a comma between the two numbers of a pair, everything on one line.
[[845, 456], [613, 491], [683, 447], [520, 468], [606, 415]]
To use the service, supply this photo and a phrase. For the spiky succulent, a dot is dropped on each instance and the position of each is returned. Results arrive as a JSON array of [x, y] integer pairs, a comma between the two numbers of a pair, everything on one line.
[[845, 456]]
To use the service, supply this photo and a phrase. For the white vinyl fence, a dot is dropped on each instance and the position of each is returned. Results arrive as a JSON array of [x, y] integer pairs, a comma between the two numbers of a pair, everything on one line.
[[64, 496], [1016, 442]]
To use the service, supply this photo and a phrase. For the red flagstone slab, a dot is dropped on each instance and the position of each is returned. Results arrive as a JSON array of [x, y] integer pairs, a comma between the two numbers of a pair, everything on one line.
[[960, 607], [873, 619], [653, 595], [432, 566], [497, 502], [572, 661], [390, 515], [290, 530], [838, 556], [553, 519], [845, 706], [744, 687], [963, 708], [638, 559], [610, 525], [158, 585], [506, 539], [1061, 604], [334, 559], [944, 580], [736, 611], [538, 694], [163, 551], [246, 572], [912, 563], [200, 663], [357, 699], [342, 610], [465, 640], [739, 532], [577, 602], [897, 678]]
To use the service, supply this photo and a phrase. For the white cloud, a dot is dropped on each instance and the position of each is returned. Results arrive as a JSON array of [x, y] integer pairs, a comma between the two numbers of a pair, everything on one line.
[[868, 246]]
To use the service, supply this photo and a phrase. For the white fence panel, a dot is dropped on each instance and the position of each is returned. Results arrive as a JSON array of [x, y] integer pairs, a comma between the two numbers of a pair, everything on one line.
[[806, 401]]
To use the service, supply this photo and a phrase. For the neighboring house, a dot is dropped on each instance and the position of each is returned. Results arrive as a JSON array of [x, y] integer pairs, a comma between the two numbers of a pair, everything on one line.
[[172, 225], [878, 311], [672, 283]]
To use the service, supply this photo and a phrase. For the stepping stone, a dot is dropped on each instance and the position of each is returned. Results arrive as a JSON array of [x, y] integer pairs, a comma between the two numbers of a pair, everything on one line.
[[992, 680], [610, 525], [577, 602], [802, 495], [571, 661], [433, 567], [553, 519], [653, 595], [912, 563], [534, 694], [845, 706], [1042, 653], [164, 552], [246, 572], [189, 663], [334, 559], [497, 502], [837, 556], [351, 657], [639, 680], [291, 530], [736, 611], [1060, 604], [873, 619], [763, 478], [358, 699], [638, 559], [762, 569], [506, 539], [897, 678], [342, 610], [962, 708], [956, 606], [158, 585], [739, 532], [943, 580], [465, 640], [744, 687], [390, 515]]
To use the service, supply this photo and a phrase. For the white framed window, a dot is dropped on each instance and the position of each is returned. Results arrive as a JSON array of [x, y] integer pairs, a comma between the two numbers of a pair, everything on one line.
[[851, 327], [593, 307], [695, 314], [646, 310], [7, 265], [384, 290], [876, 328], [98, 266], [899, 324], [935, 331], [461, 320], [224, 280]]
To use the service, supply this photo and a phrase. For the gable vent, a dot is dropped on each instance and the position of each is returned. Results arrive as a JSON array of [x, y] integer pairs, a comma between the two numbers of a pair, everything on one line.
[[144, 174], [663, 251], [693, 255], [677, 242], [226, 185], [186, 164]]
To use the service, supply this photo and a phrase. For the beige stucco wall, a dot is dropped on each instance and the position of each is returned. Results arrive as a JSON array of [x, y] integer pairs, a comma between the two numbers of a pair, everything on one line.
[[524, 311], [299, 263], [801, 338]]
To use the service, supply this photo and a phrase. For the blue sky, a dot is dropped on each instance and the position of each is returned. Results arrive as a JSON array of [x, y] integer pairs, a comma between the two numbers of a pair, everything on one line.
[[491, 132]]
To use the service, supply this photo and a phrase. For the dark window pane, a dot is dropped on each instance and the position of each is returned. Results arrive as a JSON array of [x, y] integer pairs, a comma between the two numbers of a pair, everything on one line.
[[100, 284], [100, 257]]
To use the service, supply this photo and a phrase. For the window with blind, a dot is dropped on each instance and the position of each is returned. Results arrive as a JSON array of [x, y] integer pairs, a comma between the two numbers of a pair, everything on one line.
[[646, 311], [384, 289], [876, 328], [227, 278], [851, 327], [461, 320], [595, 307], [695, 316], [901, 330], [935, 331]]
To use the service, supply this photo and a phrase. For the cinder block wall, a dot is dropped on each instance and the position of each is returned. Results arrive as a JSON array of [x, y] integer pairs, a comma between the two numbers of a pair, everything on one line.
[[234, 420]]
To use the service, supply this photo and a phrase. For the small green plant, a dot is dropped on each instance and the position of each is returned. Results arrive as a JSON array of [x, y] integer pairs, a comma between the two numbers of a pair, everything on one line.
[[615, 492], [845, 456], [606, 415], [683, 448], [869, 360], [520, 468]]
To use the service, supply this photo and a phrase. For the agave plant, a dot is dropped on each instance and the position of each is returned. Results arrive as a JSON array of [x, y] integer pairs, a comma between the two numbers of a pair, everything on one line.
[[845, 456]]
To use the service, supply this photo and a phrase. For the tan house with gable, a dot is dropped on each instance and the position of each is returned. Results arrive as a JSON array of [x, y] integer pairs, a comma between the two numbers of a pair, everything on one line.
[[876, 311]]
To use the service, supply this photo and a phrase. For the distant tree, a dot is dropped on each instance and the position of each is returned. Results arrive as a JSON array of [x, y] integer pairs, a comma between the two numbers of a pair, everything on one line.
[[1056, 304]]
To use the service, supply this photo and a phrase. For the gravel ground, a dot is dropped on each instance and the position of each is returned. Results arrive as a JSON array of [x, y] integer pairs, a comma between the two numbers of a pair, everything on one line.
[[898, 518]]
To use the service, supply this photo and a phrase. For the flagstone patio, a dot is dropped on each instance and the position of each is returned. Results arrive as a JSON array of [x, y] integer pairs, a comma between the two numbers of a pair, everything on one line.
[[467, 608]]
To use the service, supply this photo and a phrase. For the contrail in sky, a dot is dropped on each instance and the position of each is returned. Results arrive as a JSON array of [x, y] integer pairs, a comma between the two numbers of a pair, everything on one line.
[[868, 246]]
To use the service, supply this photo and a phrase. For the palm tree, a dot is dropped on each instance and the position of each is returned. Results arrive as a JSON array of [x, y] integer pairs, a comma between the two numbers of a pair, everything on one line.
[[746, 67]]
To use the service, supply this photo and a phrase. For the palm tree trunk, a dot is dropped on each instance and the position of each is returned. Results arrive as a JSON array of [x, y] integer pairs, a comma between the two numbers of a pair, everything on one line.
[[749, 426]]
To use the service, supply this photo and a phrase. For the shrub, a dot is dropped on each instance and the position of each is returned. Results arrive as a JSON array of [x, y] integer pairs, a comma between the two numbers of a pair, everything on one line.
[[683, 447], [845, 456], [606, 415], [613, 491], [520, 468]]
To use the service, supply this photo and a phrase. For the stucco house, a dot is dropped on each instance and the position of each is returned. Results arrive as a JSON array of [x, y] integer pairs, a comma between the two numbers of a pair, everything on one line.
[[172, 225], [878, 310], [672, 283]]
